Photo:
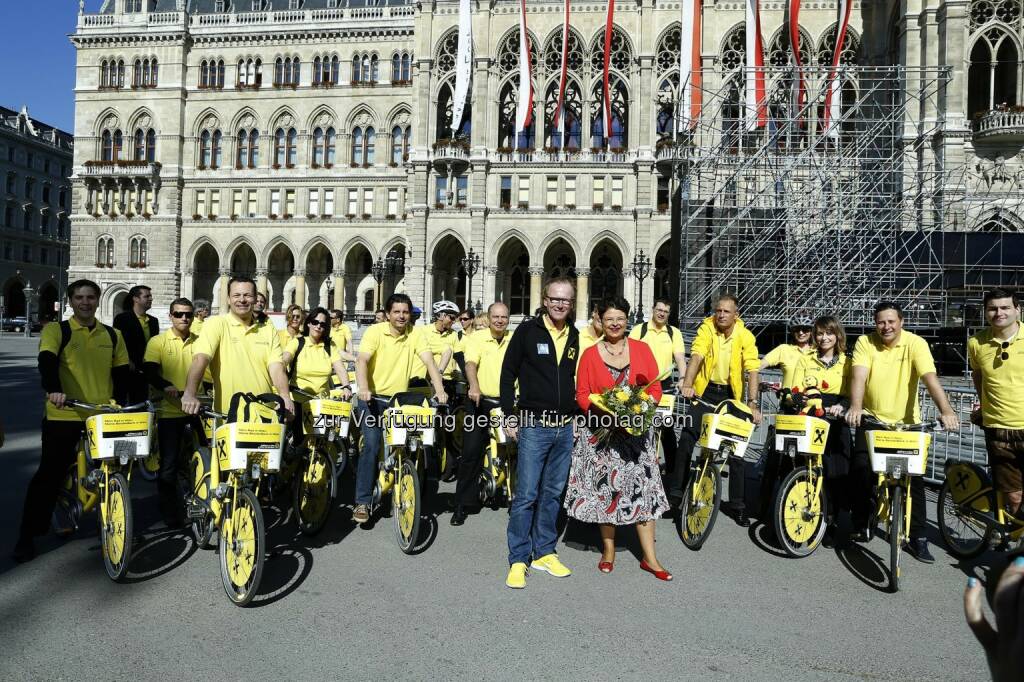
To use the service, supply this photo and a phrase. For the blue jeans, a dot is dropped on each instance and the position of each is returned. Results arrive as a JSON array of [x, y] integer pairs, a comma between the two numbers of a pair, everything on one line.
[[373, 438], [542, 469]]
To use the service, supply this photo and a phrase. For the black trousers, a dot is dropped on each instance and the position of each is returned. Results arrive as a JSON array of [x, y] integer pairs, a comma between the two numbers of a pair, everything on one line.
[[714, 394], [475, 438], [138, 387], [59, 450], [862, 488], [171, 433], [669, 442]]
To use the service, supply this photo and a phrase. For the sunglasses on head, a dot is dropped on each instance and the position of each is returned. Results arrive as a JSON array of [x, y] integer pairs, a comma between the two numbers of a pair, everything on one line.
[[178, 314]]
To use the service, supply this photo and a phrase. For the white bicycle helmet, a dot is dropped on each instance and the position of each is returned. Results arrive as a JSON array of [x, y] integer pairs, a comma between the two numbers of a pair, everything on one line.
[[801, 321], [442, 307]]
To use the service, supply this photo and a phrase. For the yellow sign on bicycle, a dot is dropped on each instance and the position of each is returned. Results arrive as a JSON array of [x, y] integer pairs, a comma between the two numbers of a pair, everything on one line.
[[238, 441], [908, 448], [719, 427], [400, 420], [328, 415], [122, 434], [810, 433]]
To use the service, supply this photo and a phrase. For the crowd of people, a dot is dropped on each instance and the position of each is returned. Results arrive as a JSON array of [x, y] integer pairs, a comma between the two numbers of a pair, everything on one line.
[[543, 376]]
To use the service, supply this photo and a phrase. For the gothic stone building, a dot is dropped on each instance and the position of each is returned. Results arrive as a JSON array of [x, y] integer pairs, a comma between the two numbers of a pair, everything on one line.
[[308, 143]]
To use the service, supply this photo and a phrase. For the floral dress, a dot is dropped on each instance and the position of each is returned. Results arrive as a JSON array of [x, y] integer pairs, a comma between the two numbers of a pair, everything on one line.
[[617, 482]]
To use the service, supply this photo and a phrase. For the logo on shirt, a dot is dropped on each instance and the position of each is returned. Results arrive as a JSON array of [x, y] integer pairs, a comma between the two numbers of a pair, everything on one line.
[[572, 353]]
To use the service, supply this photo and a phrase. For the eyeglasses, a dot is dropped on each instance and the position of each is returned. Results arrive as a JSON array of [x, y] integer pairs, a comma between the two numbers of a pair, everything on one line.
[[560, 301], [464, 319], [318, 323], [178, 314]]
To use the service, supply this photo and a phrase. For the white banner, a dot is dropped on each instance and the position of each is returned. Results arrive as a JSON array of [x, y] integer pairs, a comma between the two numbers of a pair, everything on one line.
[[463, 64], [524, 104]]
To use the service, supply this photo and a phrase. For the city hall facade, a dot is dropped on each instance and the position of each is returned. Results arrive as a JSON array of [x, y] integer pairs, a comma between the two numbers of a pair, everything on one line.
[[310, 143]]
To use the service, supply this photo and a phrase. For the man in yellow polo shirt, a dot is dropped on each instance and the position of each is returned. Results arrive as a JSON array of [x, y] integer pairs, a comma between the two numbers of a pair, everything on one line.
[[384, 366], [485, 352], [440, 339], [789, 355], [81, 359], [592, 333], [722, 351], [341, 336], [202, 311], [243, 354], [996, 356], [887, 366], [166, 364]]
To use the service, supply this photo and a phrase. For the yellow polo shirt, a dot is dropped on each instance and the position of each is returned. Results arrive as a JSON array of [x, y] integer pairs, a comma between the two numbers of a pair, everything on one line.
[[587, 338], [663, 347], [391, 357], [144, 321], [723, 358], [284, 337], [313, 367], [788, 356], [437, 342], [487, 353], [196, 326], [341, 336], [84, 366], [837, 376], [240, 356], [174, 355], [1002, 381], [559, 337], [893, 375]]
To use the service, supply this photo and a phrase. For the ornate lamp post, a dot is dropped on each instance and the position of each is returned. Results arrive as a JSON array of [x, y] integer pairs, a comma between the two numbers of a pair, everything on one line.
[[378, 270], [471, 264], [641, 269], [28, 291]]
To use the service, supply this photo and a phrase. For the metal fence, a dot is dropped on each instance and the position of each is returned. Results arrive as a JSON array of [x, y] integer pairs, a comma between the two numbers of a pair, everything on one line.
[[966, 444]]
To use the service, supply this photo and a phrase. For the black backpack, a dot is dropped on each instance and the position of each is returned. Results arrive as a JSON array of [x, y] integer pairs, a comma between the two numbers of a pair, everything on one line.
[[671, 331], [65, 338], [298, 349]]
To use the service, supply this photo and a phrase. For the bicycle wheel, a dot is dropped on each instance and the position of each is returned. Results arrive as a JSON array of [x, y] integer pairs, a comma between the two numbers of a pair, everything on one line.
[[406, 500], [965, 536], [149, 468], [896, 529], [242, 546], [701, 500], [799, 514], [116, 527], [198, 512], [315, 491]]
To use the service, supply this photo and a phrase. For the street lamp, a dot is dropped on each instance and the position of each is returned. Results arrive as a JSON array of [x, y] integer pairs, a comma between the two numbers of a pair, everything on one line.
[[28, 308], [641, 269], [378, 270], [471, 264]]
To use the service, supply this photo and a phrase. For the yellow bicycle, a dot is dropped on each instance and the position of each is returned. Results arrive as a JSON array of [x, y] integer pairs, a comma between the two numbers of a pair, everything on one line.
[[800, 504], [898, 452], [116, 439], [972, 512], [723, 435], [409, 426], [497, 479], [225, 491]]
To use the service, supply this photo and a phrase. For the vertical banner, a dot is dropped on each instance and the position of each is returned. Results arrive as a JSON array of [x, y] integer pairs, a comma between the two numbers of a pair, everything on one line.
[[565, 73], [463, 64], [691, 31], [794, 45], [524, 104], [608, 28], [756, 108], [833, 91]]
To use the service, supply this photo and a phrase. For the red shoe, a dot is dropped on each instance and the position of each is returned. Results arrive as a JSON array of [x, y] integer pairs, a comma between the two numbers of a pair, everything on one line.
[[605, 566], [660, 575]]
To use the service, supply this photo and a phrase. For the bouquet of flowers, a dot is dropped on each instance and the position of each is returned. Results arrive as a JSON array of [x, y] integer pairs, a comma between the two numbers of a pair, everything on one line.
[[632, 409]]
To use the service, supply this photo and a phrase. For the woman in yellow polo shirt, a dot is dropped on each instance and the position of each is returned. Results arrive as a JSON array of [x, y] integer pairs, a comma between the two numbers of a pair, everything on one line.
[[312, 358], [294, 318], [830, 367]]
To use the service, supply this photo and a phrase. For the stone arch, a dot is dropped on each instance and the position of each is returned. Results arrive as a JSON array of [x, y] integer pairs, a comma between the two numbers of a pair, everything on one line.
[[561, 258], [608, 235], [323, 117], [242, 260], [512, 273], [279, 257], [357, 261], [606, 261], [283, 117], [508, 235], [204, 260], [47, 297], [208, 119], [999, 220], [354, 242], [14, 296], [448, 277], [318, 261], [138, 117], [112, 301], [109, 118], [245, 117], [399, 115], [663, 268], [362, 115], [553, 237], [315, 241]]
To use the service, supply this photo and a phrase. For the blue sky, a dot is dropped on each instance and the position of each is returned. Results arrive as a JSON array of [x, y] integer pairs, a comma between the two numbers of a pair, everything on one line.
[[38, 60]]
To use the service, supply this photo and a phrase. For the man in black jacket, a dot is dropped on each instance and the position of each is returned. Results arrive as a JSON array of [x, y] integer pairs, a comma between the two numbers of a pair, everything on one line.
[[137, 327], [542, 357]]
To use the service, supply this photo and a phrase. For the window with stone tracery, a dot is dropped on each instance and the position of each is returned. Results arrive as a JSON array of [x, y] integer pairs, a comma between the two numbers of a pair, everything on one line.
[[621, 55], [994, 74], [850, 55], [507, 137], [324, 144], [553, 53], [568, 134], [985, 12], [616, 138], [780, 51], [210, 144], [445, 112], [447, 51], [668, 50]]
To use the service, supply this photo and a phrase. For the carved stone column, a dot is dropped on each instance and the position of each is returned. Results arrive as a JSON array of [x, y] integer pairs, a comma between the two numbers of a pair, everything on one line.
[[582, 294], [536, 282], [222, 289], [338, 298], [300, 288], [261, 283]]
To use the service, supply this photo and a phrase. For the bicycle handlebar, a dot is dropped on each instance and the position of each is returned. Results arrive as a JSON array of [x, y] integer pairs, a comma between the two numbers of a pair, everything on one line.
[[925, 427], [145, 405]]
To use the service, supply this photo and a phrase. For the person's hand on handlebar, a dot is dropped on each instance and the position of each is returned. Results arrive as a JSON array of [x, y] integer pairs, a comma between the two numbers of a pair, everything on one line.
[[950, 421], [364, 395], [190, 403], [289, 406], [853, 417], [836, 410], [686, 391], [57, 399], [441, 397]]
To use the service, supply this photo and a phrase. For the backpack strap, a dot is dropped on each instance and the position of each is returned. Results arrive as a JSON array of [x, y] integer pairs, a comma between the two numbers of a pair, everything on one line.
[[65, 337], [643, 330], [295, 358], [671, 333]]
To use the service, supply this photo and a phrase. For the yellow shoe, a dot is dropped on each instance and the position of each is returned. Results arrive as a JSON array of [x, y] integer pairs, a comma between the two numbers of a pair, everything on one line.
[[516, 576], [551, 564]]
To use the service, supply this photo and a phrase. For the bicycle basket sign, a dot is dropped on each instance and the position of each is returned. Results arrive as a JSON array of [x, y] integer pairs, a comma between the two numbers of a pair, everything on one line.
[[119, 435]]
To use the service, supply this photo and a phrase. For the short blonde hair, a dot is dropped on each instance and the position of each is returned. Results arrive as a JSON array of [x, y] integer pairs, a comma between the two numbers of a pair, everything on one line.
[[482, 321], [831, 325]]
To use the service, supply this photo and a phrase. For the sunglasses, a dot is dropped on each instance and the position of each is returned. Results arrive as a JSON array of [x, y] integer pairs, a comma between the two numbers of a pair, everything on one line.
[[178, 314], [464, 319], [317, 323], [1004, 356]]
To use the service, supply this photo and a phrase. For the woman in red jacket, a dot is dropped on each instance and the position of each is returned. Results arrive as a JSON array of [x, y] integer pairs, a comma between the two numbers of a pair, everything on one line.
[[616, 482]]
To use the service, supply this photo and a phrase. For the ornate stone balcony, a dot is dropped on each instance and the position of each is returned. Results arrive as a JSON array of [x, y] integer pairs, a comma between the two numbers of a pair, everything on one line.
[[1001, 126], [120, 169]]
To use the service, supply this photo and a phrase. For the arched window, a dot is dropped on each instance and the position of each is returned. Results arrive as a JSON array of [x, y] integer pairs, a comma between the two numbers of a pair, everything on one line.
[[364, 69], [204, 74], [318, 147], [335, 70], [118, 145], [105, 252], [293, 147], [104, 74], [356, 64], [318, 76], [507, 136], [397, 145], [617, 136], [279, 148], [371, 143], [119, 81], [150, 145], [250, 73], [107, 146], [357, 146], [140, 145], [137, 80], [993, 73], [571, 124], [445, 112], [329, 143], [373, 69], [396, 67], [138, 252], [279, 78], [248, 149], [407, 68], [220, 73], [217, 139], [205, 149]]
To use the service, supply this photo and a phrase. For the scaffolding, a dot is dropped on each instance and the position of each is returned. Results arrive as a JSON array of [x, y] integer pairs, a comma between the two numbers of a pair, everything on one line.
[[796, 218]]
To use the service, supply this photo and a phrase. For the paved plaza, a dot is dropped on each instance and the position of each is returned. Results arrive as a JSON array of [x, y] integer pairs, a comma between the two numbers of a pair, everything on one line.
[[349, 605]]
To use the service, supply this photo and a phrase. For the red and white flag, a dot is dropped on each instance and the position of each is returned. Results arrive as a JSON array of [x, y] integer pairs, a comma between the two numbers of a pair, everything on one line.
[[756, 106], [833, 91], [690, 34], [524, 104], [608, 28], [794, 44], [563, 79]]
